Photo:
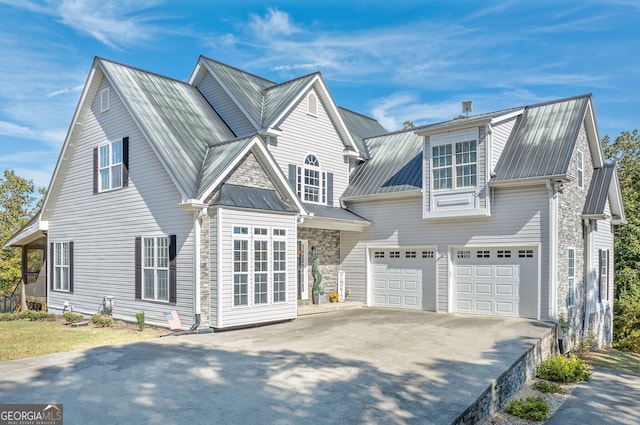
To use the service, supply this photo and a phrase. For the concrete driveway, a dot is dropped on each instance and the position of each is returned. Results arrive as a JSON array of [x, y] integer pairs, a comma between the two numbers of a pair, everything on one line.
[[373, 366]]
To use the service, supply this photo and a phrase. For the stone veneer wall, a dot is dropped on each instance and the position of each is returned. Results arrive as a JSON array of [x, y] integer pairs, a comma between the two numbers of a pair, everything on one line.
[[571, 235], [509, 383], [327, 244]]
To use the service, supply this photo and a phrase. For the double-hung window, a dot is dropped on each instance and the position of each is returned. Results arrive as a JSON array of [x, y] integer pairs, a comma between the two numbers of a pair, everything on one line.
[[260, 265], [279, 265], [155, 268], [455, 165], [312, 187], [240, 266], [62, 269], [571, 273], [110, 165]]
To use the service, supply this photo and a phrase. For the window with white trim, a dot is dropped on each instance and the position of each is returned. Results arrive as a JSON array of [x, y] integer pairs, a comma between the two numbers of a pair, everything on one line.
[[463, 254], [279, 267], [61, 268], [580, 169], [504, 253], [410, 254], [571, 272], [260, 266], [240, 266], [394, 254], [378, 254], [455, 171], [110, 165], [155, 268], [483, 254], [311, 180], [603, 281], [427, 254]]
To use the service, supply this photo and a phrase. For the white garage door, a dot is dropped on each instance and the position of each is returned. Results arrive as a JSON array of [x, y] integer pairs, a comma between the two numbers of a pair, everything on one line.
[[404, 279], [491, 281]]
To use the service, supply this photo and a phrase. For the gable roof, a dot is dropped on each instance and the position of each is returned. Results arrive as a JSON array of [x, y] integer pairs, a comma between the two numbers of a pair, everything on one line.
[[604, 187], [395, 166], [361, 127], [542, 141]]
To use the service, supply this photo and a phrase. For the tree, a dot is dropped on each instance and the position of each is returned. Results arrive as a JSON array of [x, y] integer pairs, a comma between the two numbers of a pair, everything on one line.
[[16, 208], [625, 151], [408, 124]]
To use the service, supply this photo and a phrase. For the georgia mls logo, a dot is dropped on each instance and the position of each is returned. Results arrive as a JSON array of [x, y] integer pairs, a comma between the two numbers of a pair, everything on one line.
[[31, 414]]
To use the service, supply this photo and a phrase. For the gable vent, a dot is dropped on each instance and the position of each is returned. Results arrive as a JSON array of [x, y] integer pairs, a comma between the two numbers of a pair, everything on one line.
[[104, 100]]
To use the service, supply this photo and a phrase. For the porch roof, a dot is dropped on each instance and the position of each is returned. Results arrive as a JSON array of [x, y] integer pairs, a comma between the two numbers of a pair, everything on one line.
[[30, 232], [333, 218], [231, 195]]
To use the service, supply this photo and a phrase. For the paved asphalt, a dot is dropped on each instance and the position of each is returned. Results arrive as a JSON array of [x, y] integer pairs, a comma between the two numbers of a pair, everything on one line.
[[364, 366], [610, 397]]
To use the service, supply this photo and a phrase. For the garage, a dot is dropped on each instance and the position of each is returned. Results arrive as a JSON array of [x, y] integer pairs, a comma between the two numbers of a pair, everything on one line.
[[404, 278], [496, 282]]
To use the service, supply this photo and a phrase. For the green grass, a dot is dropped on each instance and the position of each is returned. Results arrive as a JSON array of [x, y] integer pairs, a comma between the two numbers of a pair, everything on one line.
[[21, 338], [548, 387], [614, 359]]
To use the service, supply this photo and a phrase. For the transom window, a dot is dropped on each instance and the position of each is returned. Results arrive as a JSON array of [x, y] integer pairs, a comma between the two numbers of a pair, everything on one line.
[[61, 266], [461, 168], [155, 257], [110, 165]]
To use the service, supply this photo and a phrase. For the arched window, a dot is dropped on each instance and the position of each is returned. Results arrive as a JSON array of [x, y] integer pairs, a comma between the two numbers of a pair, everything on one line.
[[312, 104], [312, 184]]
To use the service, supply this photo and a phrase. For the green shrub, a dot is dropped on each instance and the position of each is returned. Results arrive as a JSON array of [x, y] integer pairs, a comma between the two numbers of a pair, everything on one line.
[[626, 318], [560, 368], [547, 387], [531, 408], [102, 321], [73, 317], [140, 320], [38, 316], [8, 317]]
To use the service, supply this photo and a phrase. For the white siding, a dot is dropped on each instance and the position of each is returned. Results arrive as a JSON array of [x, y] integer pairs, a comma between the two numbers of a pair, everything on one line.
[[103, 227], [500, 134], [603, 237], [304, 134], [245, 315], [519, 219], [225, 106]]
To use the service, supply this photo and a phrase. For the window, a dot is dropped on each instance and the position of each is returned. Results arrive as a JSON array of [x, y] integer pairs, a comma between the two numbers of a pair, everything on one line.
[[110, 165], [378, 254], [525, 253], [571, 259], [580, 169], [260, 269], [312, 188], [483, 254], [504, 253], [410, 254], [104, 100], [427, 254], [62, 269], [279, 271], [155, 260], [461, 167], [603, 281], [312, 104], [463, 254], [394, 254]]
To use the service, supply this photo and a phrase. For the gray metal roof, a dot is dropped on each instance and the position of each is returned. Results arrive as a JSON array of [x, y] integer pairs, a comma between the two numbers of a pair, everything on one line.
[[599, 190], [361, 127], [278, 97], [542, 140], [177, 118], [250, 197], [325, 211], [466, 122], [395, 166], [218, 157]]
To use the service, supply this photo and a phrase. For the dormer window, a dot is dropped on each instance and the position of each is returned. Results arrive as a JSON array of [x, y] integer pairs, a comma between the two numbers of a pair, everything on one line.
[[461, 168], [312, 104]]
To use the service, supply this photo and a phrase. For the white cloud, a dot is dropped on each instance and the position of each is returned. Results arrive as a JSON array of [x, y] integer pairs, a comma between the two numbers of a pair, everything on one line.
[[275, 23], [392, 111]]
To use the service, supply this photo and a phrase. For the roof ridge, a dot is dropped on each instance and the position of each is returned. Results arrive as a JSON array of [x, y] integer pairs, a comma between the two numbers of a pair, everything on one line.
[[237, 139], [237, 69], [277, 85], [565, 99], [135, 68], [356, 113]]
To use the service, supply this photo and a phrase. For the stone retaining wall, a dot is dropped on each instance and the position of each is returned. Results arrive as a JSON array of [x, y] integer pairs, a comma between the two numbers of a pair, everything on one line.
[[509, 383]]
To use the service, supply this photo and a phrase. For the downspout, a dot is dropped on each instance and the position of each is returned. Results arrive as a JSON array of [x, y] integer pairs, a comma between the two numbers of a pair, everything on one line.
[[553, 249]]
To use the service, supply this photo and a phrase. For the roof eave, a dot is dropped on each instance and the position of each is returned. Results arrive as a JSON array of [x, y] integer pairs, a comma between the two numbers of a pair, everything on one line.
[[530, 181]]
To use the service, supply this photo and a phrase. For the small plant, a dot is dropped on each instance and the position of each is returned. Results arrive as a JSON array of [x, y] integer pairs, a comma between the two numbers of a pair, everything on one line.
[[37, 316], [102, 321], [334, 297], [531, 408], [559, 368], [589, 343], [547, 387], [72, 317], [140, 320], [9, 317], [564, 324]]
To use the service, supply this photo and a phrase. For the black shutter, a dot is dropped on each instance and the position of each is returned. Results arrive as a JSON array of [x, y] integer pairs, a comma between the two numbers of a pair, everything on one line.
[[293, 174], [138, 260], [172, 270], [71, 267], [125, 162], [52, 269], [95, 170], [330, 189]]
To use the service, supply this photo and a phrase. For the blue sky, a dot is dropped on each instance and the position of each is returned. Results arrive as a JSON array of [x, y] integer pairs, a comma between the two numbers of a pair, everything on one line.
[[392, 60]]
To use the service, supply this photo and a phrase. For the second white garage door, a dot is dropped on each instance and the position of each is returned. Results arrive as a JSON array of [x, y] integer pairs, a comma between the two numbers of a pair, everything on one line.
[[404, 278], [496, 281]]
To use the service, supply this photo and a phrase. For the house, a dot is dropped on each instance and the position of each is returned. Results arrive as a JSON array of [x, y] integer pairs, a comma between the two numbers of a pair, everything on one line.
[[212, 197]]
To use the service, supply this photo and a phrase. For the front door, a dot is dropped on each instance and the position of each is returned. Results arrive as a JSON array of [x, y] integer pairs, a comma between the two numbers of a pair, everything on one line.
[[303, 270]]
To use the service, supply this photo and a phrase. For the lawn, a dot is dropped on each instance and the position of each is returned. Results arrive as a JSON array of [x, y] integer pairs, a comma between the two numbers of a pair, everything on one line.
[[614, 359], [22, 338]]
